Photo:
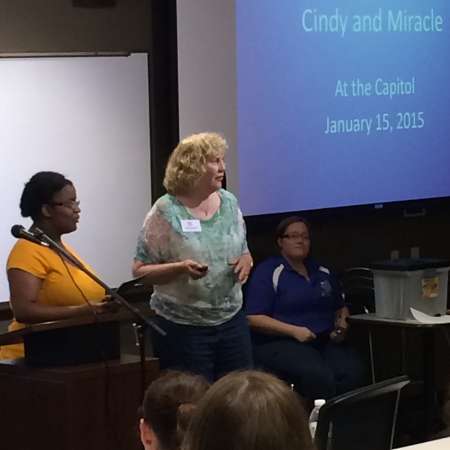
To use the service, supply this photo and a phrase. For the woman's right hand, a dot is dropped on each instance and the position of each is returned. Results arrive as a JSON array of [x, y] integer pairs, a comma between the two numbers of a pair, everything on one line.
[[167, 272], [194, 269], [106, 305], [302, 334]]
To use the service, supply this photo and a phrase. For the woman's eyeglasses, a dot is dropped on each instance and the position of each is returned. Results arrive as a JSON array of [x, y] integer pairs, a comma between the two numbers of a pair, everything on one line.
[[72, 204], [295, 236]]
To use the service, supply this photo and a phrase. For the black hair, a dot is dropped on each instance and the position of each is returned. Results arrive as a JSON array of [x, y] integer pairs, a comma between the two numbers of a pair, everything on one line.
[[284, 224], [39, 191]]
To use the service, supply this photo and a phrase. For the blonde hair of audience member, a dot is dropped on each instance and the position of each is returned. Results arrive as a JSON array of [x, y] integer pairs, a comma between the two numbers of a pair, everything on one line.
[[249, 410], [167, 409], [188, 161]]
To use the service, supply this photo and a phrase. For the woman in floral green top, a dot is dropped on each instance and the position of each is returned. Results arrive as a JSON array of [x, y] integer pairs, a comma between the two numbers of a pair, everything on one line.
[[193, 249]]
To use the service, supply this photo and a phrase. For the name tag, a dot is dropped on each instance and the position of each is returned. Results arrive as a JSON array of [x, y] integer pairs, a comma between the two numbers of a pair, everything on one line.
[[191, 226]]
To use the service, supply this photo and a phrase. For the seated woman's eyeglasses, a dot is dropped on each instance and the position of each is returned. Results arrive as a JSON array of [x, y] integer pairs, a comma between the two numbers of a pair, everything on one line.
[[295, 236], [72, 204]]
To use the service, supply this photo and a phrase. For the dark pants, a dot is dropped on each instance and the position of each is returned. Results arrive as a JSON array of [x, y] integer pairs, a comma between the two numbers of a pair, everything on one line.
[[320, 369], [211, 351]]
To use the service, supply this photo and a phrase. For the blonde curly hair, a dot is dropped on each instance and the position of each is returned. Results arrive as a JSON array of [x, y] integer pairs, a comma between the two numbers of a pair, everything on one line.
[[187, 163]]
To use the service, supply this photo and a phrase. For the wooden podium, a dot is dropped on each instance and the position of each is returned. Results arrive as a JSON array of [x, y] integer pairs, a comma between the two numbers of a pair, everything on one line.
[[80, 405]]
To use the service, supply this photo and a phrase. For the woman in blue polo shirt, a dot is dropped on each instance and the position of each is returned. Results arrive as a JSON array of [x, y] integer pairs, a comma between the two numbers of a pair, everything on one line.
[[297, 312]]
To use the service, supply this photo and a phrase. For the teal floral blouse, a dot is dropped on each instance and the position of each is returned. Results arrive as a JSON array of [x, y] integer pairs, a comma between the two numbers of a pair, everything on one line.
[[216, 242]]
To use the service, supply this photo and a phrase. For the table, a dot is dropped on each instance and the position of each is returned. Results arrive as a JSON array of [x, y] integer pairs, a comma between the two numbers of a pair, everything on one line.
[[372, 321], [439, 444]]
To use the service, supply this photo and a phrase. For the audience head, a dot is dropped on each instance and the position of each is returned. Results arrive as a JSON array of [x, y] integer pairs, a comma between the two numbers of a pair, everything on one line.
[[293, 237], [188, 162], [251, 411], [167, 409]]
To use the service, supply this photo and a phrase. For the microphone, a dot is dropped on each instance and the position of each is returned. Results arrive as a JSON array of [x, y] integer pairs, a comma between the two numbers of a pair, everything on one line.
[[19, 232]]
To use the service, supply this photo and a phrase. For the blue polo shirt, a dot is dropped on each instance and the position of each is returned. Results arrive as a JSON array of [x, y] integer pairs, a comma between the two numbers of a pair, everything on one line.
[[278, 291]]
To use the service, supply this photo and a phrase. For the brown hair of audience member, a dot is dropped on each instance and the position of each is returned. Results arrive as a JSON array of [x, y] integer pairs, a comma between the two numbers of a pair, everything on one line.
[[249, 410], [167, 409]]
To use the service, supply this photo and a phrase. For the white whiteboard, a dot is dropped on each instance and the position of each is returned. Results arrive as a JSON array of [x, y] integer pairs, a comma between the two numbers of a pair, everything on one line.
[[87, 118]]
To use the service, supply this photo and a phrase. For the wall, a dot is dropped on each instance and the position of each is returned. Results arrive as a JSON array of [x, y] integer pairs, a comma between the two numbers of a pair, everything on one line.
[[357, 238], [70, 118], [87, 118], [58, 26]]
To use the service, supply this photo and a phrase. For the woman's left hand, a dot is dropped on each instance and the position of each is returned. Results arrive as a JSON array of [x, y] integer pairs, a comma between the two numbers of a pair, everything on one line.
[[106, 305], [341, 318], [242, 267], [338, 335], [341, 325]]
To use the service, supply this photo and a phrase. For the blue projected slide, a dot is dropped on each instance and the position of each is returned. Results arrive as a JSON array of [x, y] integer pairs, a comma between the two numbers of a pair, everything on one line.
[[342, 102]]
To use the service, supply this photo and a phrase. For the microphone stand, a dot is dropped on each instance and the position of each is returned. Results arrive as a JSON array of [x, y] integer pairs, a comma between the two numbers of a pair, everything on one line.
[[142, 320]]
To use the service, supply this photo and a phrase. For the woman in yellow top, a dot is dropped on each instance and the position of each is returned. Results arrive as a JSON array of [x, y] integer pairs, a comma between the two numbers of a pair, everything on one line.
[[43, 286]]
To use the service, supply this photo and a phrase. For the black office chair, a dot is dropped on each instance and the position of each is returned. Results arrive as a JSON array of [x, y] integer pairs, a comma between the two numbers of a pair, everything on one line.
[[357, 285], [363, 419]]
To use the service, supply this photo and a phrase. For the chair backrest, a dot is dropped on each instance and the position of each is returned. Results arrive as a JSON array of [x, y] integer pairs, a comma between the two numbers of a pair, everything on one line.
[[363, 419], [357, 285]]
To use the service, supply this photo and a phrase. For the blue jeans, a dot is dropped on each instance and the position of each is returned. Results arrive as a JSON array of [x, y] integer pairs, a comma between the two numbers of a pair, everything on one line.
[[211, 351]]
